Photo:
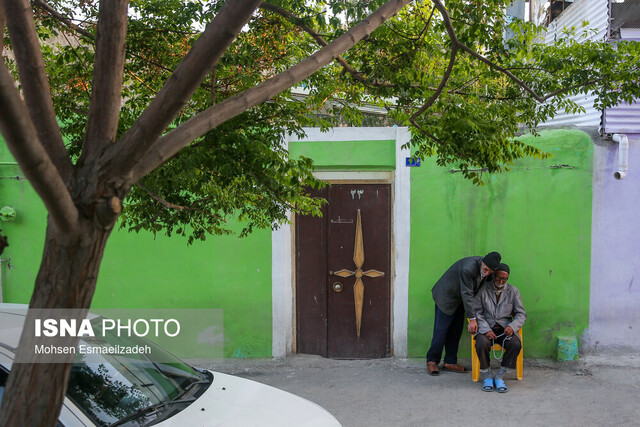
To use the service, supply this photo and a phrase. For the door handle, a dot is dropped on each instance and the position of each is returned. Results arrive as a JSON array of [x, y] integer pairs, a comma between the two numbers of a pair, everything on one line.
[[337, 286]]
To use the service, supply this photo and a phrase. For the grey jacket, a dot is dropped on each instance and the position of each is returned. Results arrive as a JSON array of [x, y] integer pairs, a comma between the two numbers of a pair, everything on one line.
[[509, 311], [458, 285]]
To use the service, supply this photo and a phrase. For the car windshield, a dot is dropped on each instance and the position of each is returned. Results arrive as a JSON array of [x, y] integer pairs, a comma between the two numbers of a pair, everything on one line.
[[112, 387]]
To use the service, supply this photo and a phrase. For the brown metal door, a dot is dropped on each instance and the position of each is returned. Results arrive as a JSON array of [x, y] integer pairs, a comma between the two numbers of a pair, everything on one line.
[[311, 281], [356, 263]]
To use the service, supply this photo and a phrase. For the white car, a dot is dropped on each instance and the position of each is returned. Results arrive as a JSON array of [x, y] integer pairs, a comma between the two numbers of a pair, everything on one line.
[[119, 391]]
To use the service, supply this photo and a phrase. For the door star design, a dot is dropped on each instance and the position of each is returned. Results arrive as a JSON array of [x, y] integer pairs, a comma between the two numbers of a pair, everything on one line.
[[358, 259]]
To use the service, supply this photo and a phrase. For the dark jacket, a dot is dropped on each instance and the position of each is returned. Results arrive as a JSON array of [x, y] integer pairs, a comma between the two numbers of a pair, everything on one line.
[[458, 285], [509, 311]]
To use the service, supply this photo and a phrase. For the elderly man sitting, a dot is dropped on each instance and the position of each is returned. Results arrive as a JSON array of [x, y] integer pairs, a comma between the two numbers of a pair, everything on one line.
[[500, 316]]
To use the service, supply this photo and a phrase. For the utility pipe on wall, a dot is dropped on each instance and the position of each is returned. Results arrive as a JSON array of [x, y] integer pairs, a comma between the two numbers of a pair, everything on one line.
[[623, 155]]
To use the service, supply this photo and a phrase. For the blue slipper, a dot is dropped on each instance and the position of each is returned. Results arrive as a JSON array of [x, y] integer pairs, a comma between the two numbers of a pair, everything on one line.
[[501, 387], [487, 384]]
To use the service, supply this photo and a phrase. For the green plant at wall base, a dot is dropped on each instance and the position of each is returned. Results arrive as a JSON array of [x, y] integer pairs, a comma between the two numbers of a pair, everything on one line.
[[181, 126]]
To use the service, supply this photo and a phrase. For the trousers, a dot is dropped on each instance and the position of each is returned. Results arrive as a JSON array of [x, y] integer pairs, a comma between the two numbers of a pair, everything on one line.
[[447, 331], [511, 348]]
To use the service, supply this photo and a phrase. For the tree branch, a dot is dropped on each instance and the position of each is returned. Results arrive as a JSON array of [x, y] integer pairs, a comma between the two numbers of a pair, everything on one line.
[[504, 71], [357, 75], [164, 30], [22, 140], [443, 83], [81, 63], [273, 193], [88, 36], [170, 205], [208, 119], [2, 22], [465, 85], [422, 32], [104, 107], [567, 89], [213, 86], [60, 17], [455, 42], [317, 37], [142, 82], [35, 86], [186, 78], [419, 38]]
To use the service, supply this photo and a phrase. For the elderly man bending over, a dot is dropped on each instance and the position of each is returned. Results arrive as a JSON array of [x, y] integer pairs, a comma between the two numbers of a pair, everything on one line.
[[500, 316]]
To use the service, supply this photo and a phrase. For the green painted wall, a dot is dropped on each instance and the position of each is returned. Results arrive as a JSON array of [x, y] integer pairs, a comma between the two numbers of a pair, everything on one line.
[[351, 155], [25, 234], [538, 216], [140, 271]]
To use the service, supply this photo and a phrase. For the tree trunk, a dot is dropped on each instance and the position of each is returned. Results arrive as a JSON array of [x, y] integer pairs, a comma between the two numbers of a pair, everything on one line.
[[67, 278]]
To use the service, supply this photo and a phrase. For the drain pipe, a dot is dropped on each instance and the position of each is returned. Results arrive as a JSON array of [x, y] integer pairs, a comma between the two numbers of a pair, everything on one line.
[[623, 155]]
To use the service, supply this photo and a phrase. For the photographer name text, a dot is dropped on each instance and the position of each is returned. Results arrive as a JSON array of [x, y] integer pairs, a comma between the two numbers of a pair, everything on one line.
[[89, 349]]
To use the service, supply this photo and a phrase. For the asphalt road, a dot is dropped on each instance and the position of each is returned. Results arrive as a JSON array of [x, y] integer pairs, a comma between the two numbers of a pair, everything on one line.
[[594, 391]]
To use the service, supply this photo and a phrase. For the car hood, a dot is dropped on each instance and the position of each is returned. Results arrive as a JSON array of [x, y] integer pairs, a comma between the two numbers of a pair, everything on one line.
[[233, 401]]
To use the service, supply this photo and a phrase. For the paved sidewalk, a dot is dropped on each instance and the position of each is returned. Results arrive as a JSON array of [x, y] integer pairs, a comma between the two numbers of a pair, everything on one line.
[[595, 391]]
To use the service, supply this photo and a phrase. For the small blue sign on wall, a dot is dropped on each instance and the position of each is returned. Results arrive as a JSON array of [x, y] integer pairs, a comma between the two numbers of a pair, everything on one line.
[[413, 162]]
